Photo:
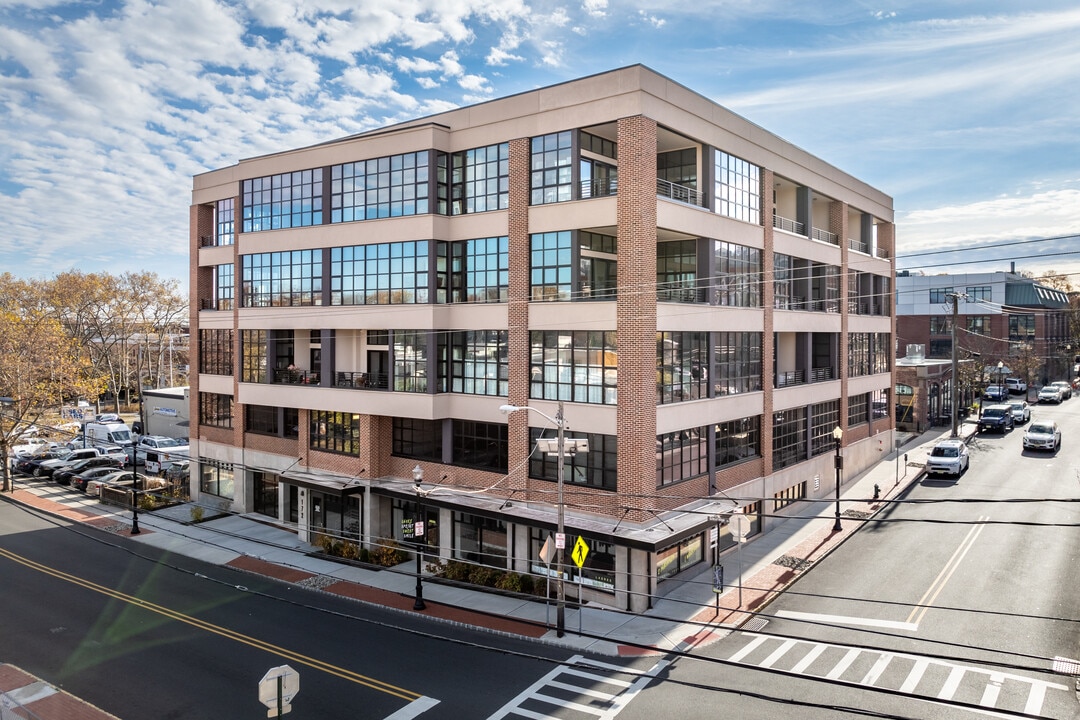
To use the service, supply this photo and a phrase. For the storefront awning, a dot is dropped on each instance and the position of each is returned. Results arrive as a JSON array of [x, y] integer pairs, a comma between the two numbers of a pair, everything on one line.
[[325, 482]]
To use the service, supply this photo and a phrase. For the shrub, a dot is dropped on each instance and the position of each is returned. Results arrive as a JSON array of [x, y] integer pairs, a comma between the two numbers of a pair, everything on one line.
[[363, 555], [485, 576], [196, 514], [348, 550], [509, 581], [527, 584], [388, 554]]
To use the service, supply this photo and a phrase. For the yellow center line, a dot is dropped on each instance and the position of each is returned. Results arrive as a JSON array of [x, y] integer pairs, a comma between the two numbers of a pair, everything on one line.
[[946, 573], [311, 662]]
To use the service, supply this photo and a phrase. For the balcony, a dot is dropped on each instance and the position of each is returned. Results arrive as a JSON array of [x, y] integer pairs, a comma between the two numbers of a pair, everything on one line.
[[858, 246], [789, 379], [598, 187], [294, 376], [362, 381], [682, 193], [825, 236], [787, 225]]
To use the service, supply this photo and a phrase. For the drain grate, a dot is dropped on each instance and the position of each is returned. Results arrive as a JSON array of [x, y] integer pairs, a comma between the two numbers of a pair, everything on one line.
[[1066, 666], [755, 624]]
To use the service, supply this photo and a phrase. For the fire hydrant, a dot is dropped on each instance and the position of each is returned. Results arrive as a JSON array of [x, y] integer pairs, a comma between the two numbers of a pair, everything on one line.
[[877, 491]]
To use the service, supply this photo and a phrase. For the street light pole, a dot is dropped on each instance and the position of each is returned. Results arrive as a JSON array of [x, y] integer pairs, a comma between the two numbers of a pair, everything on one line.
[[418, 477], [838, 461], [134, 501]]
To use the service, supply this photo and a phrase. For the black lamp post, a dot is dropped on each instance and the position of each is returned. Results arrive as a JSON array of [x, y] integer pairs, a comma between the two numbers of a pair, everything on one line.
[[134, 501], [420, 537], [838, 461]]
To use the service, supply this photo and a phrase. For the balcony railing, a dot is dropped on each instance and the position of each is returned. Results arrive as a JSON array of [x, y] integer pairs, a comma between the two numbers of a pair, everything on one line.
[[362, 380], [206, 241], [820, 374], [682, 193], [881, 253], [825, 236], [787, 379], [294, 377], [787, 225], [599, 188], [858, 246]]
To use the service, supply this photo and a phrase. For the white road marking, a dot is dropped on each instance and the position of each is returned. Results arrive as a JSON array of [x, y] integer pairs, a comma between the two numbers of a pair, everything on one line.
[[847, 620]]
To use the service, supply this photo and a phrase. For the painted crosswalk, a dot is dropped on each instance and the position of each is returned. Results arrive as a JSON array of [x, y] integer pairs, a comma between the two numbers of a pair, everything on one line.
[[928, 678], [579, 688]]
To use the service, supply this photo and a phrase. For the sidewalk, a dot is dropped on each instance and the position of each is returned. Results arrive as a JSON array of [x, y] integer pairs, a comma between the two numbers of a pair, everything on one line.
[[688, 613]]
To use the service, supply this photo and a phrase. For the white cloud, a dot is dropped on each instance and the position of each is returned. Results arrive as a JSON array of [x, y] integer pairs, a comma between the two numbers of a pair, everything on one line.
[[595, 8]]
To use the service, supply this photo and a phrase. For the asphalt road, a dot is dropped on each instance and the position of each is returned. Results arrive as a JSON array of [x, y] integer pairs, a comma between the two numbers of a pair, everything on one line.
[[146, 635], [954, 602]]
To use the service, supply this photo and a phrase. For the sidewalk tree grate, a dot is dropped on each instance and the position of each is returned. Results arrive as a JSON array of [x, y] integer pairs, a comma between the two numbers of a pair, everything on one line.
[[755, 624], [1066, 666]]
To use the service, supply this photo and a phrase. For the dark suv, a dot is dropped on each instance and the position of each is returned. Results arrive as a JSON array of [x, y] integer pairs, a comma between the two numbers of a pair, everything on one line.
[[996, 417]]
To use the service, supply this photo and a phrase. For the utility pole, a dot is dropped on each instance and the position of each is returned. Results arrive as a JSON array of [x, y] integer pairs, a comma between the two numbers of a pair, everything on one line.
[[954, 398]]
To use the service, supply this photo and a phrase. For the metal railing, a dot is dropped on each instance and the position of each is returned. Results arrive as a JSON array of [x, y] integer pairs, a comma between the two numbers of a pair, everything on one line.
[[858, 246], [881, 253], [820, 374], [787, 379], [786, 224], [599, 188], [825, 236], [361, 380], [682, 193], [294, 377]]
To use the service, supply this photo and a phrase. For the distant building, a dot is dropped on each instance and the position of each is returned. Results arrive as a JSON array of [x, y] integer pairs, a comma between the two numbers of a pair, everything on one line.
[[709, 301], [165, 411], [1000, 314]]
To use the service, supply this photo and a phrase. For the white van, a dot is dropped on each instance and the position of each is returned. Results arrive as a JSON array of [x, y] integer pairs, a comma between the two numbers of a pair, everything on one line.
[[110, 433]]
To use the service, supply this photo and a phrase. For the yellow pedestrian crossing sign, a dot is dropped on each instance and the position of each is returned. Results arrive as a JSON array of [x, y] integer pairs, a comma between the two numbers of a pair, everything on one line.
[[580, 551]]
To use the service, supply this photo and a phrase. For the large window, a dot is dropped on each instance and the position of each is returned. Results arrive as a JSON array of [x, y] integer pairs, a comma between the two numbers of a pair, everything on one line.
[[738, 440], [480, 445], [738, 275], [978, 324], [410, 361], [980, 292], [575, 366], [224, 286], [480, 539], [272, 420], [473, 270], [681, 455], [1021, 328], [420, 439], [736, 366], [789, 437], [216, 351], [216, 410], [858, 409], [254, 346], [225, 222], [479, 362], [282, 279], [379, 274], [283, 201], [676, 271], [737, 188], [676, 558], [596, 468], [552, 168], [940, 295], [216, 478], [871, 353], [551, 265], [598, 275], [681, 366], [940, 325], [480, 180], [784, 297], [824, 418], [335, 432], [391, 186]]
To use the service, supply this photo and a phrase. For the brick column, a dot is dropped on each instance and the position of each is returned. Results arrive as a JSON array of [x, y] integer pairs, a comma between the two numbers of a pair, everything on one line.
[[636, 420], [838, 223], [518, 312], [768, 340]]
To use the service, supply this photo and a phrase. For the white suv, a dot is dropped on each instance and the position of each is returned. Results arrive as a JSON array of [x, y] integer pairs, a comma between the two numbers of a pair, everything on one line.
[[949, 457], [1016, 385]]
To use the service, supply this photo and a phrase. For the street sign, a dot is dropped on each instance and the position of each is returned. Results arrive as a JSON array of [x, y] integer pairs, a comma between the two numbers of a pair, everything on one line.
[[560, 541], [740, 527], [547, 553], [580, 551], [277, 689], [718, 579]]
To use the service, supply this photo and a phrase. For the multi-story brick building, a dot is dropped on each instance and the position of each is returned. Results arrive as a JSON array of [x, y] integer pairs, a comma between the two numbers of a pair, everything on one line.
[[709, 302], [1002, 317]]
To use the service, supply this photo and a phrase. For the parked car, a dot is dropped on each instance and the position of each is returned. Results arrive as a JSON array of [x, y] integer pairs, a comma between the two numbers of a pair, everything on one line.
[[948, 457], [1042, 435], [1064, 387], [179, 472], [996, 417], [117, 477], [1021, 411], [1050, 394], [48, 467], [1016, 385], [80, 481], [64, 475], [997, 393], [31, 465]]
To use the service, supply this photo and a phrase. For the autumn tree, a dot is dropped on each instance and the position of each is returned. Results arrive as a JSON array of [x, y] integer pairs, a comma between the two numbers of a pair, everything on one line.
[[42, 365]]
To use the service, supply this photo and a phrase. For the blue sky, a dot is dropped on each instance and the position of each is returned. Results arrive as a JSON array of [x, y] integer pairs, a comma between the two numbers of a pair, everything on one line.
[[966, 113]]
